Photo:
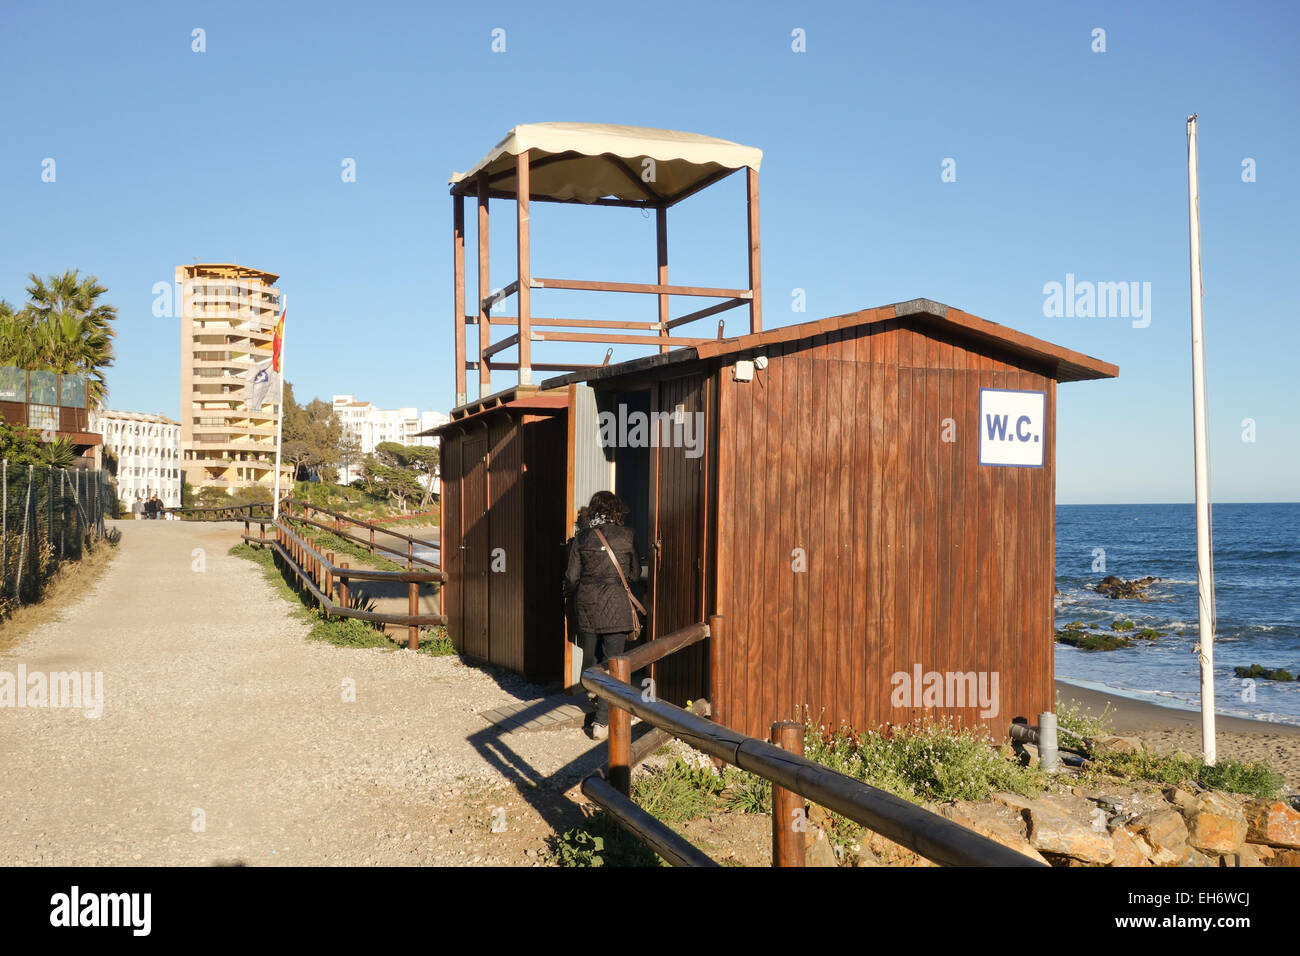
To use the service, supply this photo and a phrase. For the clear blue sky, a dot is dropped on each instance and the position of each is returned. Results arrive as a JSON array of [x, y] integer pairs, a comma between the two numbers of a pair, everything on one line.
[[1067, 161]]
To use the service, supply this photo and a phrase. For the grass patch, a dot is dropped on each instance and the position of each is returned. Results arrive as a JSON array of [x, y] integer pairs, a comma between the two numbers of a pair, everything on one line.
[[1075, 724], [72, 580], [926, 761], [324, 541], [1252, 779], [435, 642], [600, 841], [677, 791]]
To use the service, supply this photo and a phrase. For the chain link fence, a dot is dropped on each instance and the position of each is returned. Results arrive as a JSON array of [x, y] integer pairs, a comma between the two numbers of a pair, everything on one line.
[[47, 516]]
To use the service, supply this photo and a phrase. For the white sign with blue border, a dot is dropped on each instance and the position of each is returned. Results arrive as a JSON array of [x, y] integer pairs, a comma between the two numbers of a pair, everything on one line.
[[1013, 426]]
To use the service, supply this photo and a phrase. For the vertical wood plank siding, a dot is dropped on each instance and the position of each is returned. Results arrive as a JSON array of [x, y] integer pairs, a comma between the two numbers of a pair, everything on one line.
[[680, 523], [916, 555], [503, 534]]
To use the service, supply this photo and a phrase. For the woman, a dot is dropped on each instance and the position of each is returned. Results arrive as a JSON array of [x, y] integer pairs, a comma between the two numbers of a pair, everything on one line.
[[607, 614]]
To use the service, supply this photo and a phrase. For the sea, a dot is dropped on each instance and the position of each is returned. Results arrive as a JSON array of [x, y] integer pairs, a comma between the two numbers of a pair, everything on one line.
[[1257, 602]]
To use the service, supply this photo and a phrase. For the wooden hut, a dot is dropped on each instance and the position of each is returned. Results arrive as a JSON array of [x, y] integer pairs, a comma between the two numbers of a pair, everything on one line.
[[867, 500]]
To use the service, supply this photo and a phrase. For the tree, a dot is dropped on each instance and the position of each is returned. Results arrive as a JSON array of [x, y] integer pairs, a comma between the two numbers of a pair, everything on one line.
[[312, 434], [20, 445], [64, 328], [402, 472]]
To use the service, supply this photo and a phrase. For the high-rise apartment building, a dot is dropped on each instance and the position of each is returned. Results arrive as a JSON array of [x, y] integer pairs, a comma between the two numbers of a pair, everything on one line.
[[228, 319]]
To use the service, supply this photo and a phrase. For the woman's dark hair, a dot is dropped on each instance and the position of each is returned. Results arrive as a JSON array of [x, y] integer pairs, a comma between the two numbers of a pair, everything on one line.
[[608, 507]]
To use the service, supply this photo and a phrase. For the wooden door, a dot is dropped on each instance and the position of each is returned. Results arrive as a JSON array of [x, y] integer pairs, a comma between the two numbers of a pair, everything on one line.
[[677, 518]]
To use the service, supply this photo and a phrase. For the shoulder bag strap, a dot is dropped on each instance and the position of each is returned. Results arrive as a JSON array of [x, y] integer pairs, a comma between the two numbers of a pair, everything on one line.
[[619, 568]]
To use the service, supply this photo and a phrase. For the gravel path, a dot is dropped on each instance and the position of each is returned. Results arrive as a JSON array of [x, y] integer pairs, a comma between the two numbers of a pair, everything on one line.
[[225, 736]]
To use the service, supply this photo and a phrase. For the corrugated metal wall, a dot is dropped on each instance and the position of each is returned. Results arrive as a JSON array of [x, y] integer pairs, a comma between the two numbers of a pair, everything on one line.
[[915, 554], [591, 470]]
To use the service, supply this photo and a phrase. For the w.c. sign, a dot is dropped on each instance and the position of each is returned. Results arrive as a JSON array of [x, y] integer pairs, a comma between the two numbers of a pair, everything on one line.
[[1012, 427]]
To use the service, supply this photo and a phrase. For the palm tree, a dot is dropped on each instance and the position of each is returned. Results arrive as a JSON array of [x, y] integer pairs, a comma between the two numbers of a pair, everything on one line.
[[72, 331], [17, 337]]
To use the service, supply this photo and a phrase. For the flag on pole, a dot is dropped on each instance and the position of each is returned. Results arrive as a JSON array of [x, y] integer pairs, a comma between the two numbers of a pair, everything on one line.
[[262, 377], [265, 376]]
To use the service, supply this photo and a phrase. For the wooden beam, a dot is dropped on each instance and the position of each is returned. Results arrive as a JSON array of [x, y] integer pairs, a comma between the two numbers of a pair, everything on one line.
[[614, 339], [525, 269], [500, 295], [570, 323], [539, 366], [484, 285], [583, 285], [755, 258], [705, 313], [661, 254], [632, 177], [506, 343], [458, 267], [702, 184], [623, 203]]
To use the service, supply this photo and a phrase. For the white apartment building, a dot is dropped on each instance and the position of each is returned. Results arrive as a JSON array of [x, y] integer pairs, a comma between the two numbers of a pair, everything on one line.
[[372, 426], [148, 450]]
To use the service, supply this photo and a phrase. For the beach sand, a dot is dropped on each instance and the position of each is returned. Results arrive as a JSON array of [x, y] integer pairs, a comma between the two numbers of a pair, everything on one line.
[[1165, 730]]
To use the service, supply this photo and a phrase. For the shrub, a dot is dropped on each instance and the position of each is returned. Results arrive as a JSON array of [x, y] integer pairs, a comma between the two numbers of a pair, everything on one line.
[[1253, 779], [1075, 724], [927, 761], [600, 841]]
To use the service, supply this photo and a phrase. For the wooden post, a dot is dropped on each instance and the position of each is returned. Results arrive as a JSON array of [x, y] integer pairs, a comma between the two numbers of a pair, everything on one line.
[[717, 628], [787, 806], [661, 247], [620, 732], [458, 295], [755, 258], [484, 288], [329, 575], [413, 608], [525, 272], [413, 599], [344, 601]]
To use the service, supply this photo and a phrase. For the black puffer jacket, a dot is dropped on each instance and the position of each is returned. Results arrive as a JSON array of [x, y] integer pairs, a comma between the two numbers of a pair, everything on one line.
[[599, 598]]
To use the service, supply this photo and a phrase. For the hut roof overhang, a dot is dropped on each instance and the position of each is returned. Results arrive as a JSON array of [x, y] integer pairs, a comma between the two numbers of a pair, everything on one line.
[[1065, 365], [520, 399], [591, 162]]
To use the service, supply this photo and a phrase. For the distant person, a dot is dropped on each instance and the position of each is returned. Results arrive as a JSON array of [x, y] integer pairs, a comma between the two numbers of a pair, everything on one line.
[[137, 508], [602, 561]]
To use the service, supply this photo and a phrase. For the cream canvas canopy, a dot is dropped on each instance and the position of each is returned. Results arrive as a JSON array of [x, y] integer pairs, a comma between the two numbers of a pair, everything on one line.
[[594, 162]]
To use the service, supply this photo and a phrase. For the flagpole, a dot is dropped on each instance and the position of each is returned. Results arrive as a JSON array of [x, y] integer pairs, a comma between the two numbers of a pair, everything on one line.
[[1204, 554], [279, 426]]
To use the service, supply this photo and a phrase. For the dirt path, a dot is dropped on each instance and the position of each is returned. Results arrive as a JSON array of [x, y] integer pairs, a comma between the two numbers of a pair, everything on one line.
[[225, 736]]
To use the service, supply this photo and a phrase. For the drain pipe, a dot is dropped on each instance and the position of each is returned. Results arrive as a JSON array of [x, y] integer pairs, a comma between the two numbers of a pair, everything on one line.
[[1049, 758], [1043, 737]]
